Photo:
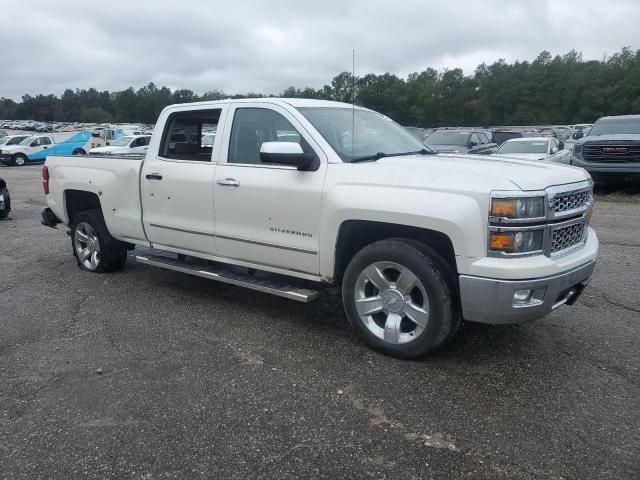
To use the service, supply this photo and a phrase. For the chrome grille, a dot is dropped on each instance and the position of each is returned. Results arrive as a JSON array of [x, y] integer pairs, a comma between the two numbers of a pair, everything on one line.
[[569, 201], [566, 237]]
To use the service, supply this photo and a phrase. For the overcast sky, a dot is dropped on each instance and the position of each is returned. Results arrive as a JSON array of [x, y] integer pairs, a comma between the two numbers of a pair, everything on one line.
[[264, 46]]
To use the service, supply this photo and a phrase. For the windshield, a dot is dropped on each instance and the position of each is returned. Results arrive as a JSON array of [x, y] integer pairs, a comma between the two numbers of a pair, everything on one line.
[[533, 146], [360, 133], [447, 138], [27, 140], [612, 126], [122, 142]]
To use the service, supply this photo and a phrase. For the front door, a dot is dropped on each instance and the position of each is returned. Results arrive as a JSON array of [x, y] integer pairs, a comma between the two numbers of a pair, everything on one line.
[[177, 184], [267, 214]]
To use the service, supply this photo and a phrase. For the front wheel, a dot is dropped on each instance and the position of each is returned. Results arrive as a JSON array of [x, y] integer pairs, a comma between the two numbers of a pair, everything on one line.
[[397, 299], [19, 159], [93, 246]]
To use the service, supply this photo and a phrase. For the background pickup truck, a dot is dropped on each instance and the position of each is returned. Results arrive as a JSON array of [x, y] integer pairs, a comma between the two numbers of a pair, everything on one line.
[[296, 195], [612, 146], [36, 148]]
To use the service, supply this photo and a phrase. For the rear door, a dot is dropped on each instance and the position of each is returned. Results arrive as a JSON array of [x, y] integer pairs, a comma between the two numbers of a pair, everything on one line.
[[267, 214], [177, 182]]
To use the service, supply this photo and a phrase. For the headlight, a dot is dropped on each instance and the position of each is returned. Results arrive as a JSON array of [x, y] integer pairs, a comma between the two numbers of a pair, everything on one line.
[[518, 208], [516, 241], [577, 150]]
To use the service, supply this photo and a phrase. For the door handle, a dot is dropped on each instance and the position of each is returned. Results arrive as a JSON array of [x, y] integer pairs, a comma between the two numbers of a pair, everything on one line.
[[153, 176], [228, 182]]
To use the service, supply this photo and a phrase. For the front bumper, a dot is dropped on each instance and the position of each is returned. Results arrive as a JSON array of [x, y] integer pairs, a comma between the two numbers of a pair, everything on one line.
[[489, 300], [606, 167], [6, 158]]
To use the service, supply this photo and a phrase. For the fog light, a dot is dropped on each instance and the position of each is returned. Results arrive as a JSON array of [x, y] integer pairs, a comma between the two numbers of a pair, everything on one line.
[[528, 297], [522, 296]]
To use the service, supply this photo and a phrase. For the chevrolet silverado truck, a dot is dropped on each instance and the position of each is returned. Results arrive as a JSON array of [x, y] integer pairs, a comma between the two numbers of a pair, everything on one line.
[[610, 148], [297, 195]]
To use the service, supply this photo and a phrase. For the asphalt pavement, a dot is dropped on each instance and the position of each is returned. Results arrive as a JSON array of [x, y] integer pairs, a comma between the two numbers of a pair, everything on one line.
[[151, 374]]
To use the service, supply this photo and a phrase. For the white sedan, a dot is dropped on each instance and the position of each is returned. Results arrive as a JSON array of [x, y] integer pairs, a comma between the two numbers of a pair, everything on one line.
[[548, 149], [127, 144]]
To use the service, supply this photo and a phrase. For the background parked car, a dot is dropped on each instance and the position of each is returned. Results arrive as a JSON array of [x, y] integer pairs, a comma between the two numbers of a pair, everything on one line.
[[460, 141], [548, 149], [124, 145], [5, 200], [36, 148], [580, 130]]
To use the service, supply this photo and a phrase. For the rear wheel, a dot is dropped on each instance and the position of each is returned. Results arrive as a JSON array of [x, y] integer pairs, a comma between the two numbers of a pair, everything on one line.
[[93, 246], [398, 300], [79, 151], [19, 159]]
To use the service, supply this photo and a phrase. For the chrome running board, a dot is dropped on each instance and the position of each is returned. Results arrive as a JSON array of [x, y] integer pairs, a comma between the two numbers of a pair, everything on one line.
[[263, 282]]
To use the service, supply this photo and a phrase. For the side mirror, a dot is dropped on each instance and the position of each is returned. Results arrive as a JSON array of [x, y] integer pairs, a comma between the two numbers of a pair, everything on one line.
[[473, 144], [34, 144], [561, 145], [288, 153]]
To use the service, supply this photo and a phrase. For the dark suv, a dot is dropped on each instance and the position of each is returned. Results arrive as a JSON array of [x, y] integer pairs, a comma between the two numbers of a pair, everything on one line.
[[611, 147], [461, 141]]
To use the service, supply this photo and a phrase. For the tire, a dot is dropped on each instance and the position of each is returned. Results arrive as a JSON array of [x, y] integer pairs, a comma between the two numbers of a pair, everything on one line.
[[79, 151], [93, 246], [407, 303], [7, 202], [19, 160]]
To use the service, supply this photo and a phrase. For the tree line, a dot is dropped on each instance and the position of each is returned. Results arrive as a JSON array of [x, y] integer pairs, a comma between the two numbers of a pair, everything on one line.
[[564, 89]]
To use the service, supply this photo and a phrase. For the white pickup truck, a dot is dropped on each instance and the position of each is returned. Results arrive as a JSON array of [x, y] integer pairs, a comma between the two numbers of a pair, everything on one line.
[[295, 195]]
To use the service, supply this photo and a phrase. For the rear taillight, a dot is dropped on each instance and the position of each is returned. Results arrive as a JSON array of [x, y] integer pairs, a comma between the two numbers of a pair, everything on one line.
[[45, 180]]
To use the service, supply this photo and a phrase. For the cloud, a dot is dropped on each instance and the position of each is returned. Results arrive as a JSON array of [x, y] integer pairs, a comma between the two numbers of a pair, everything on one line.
[[264, 46]]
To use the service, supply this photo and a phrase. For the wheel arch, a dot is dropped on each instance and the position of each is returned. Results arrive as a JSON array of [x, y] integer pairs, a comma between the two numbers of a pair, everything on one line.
[[354, 235], [76, 201]]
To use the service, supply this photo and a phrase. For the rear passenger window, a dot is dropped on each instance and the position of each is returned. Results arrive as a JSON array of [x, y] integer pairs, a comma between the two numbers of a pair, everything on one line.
[[182, 136]]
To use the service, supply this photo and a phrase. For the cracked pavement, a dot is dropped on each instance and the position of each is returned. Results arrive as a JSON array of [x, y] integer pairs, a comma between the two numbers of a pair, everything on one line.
[[154, 374]]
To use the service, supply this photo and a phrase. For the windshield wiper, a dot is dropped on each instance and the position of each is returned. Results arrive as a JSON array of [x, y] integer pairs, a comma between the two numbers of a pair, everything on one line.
[[366, 158], [380, 155]]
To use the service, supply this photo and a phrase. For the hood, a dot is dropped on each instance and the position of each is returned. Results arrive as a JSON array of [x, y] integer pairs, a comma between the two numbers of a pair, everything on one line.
[[609, 138], [11, 148], [479, 172], [522, 156]]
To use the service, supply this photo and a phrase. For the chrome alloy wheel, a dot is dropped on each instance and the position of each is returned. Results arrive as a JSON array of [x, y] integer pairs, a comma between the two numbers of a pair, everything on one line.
[[391, 302], [87, 245]]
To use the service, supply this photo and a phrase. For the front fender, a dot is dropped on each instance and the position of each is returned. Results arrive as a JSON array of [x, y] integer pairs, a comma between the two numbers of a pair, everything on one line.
[[461, 217]]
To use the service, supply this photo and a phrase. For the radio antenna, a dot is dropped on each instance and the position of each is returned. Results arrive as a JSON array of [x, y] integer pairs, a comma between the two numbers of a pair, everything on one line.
[[353, 102]]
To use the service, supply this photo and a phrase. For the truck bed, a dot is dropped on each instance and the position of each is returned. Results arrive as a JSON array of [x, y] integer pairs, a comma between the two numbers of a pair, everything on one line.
[[113, 179]]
